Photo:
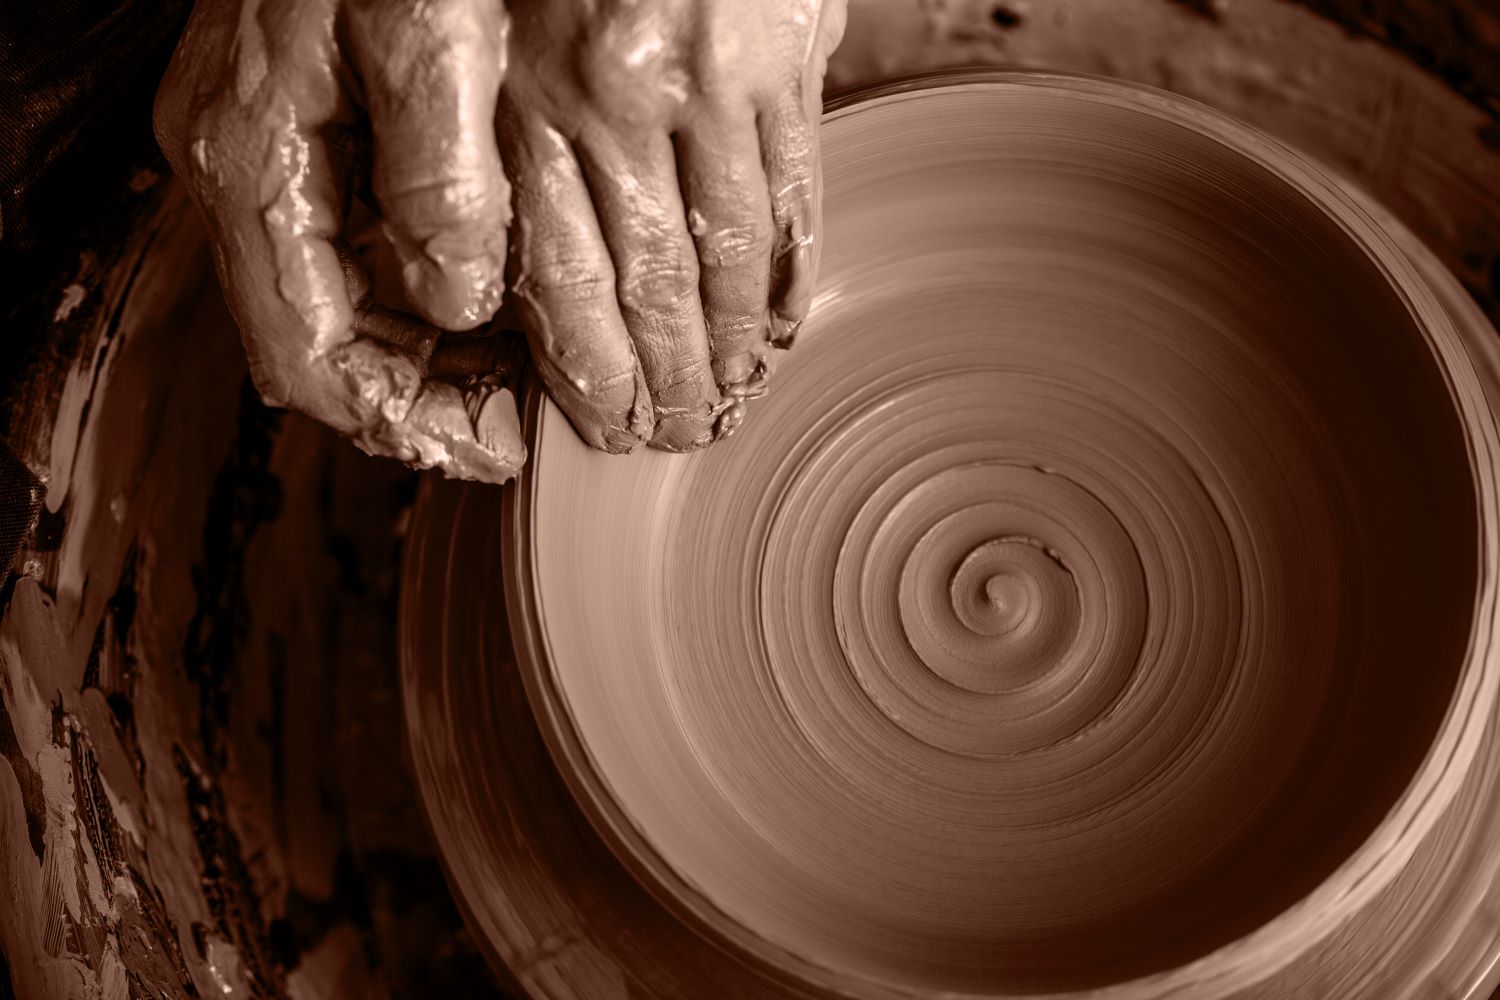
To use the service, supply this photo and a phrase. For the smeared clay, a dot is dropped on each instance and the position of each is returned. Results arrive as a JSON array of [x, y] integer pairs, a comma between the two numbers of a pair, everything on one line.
[[663, 157], [258, 115], [1053, 628]]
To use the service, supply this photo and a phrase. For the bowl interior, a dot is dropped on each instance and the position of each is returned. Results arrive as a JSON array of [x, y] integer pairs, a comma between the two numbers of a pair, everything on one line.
[[1088, 588]]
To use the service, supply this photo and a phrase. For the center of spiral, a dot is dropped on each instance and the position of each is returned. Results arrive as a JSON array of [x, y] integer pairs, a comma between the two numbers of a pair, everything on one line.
[[1007, 598], [1012, 609], [1008, 587], [1013, 625]]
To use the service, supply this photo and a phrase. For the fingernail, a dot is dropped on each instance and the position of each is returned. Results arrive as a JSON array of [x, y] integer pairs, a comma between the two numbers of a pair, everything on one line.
[[735, 370], [498, 427], [755, 385]]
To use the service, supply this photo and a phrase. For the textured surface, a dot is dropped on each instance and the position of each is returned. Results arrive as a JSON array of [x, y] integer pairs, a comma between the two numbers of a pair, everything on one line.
[[1065, 632]]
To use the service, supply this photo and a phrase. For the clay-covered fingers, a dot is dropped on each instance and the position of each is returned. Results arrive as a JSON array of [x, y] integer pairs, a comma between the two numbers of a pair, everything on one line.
[[564, 281], [729, 217], [243, 121], [789, 148], [689, 158], [633, 181], [431, 74]]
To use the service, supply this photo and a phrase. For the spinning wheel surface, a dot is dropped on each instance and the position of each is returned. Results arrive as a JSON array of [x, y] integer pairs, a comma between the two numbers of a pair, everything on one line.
[[1101, 601]]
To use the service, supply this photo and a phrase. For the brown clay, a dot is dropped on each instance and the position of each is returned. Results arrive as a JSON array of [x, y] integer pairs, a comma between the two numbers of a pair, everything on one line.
[[1103, 602]]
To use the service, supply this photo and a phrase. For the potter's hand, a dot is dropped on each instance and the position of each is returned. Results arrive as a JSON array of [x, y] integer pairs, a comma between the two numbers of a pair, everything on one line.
[[252, 113], [664, 160]]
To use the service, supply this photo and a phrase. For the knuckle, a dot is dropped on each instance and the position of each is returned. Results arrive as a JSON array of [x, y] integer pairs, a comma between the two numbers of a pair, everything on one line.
[[791, 146], [730, 333], [657, 280], [192, 121], [468, 196], [736, 246], [561, 274], [684, 378], [613, 393]]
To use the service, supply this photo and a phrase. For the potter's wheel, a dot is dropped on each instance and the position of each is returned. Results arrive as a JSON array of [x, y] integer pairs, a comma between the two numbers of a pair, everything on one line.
[[1101, 601]]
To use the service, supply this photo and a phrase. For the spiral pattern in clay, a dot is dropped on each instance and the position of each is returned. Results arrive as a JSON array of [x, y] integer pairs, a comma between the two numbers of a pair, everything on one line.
[[1094, 588]]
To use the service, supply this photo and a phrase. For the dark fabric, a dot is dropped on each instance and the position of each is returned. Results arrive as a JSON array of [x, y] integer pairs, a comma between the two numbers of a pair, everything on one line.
[[76, 81], [78, 165], [21, 495]]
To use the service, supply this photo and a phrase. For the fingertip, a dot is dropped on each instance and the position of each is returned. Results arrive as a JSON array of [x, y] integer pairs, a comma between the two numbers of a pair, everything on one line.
[[455, 277], [683, 435], [733, 370], [378, 397], [614, 415], [685, 420], [753, 371], [498, 428], [473, 435]]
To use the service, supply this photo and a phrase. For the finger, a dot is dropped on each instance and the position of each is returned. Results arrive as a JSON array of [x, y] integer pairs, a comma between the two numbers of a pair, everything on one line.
[[471, 432], [789, 150], [431, 73], [639, 204], [372, 383], [729, 217], [564, 283], [470, 428]]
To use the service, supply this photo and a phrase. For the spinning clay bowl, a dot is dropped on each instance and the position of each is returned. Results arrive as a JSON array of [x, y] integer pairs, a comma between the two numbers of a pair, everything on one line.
[[1101, 601]]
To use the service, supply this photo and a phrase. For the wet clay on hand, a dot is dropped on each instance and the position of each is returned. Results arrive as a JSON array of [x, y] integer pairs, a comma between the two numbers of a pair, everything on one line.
[[664, 156], [260, 114], [1104, 602]]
